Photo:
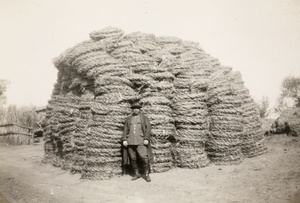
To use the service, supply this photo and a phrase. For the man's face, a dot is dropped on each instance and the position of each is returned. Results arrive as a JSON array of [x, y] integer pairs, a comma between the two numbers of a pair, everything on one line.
[[136, 111]]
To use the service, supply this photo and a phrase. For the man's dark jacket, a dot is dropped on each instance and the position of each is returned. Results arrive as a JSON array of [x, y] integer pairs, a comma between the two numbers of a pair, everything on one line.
[[146, 128]]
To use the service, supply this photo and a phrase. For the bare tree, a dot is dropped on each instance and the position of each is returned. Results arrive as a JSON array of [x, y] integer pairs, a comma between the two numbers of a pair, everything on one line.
[[24, 115], [263, 106], [290, 89], [3, 86], [27, 115], [12, 114]]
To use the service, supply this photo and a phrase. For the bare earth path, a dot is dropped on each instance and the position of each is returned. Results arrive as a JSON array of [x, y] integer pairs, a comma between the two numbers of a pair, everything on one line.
[[273, 177]]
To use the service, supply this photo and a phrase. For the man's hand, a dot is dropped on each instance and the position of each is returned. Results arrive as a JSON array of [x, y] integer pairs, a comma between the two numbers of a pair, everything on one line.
[[125, 143], [146, 142]]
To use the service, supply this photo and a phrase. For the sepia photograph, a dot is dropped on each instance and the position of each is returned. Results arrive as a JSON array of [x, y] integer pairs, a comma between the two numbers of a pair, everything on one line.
[[148, 101]]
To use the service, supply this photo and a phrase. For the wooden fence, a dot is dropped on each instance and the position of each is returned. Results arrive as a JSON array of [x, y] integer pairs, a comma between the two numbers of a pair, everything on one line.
[[14, 134]]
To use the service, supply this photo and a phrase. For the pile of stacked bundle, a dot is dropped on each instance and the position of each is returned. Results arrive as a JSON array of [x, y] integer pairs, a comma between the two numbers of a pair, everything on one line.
[[252, 139], [79, 137], [226, 127], [50, 126], [155, 87], [50, 129], [109, 108], [170, 78], [69, 80], [103, 147], [158, 109], [189, 105], [66, 128], [157, 106], [76, 68], [59, 130]]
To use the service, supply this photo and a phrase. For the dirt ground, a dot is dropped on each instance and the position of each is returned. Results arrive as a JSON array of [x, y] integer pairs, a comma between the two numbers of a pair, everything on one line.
[[272, 177]]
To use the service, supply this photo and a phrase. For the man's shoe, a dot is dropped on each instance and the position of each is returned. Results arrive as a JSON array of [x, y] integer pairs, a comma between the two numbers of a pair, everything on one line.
[[146, 169], [136, 171], [147, 178], [136, 176]]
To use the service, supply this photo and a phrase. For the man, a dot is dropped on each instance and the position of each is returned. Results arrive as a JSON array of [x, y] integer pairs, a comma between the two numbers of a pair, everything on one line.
[[136, 139]]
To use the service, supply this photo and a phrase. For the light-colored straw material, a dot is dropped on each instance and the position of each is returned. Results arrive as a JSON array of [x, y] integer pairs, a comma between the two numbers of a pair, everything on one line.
[[200, 111]]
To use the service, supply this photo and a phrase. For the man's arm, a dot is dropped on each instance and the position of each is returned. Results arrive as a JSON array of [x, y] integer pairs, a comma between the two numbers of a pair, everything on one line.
[[148, 128], [125, 131]]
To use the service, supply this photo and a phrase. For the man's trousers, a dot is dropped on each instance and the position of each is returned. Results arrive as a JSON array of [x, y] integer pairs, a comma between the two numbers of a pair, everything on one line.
[[140, 150]]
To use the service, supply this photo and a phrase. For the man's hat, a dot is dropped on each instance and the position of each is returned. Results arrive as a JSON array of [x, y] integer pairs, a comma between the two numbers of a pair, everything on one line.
[[136, 106]]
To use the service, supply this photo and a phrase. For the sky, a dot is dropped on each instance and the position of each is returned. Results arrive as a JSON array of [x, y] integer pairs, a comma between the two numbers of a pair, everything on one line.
[[258, 38]]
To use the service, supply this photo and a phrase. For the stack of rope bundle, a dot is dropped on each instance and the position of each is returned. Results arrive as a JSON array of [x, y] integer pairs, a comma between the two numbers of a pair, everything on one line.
[[51, 130], [80, 139], [252, 139], [76, 71], [110, 108], [189, 105], [181, 89], [155, 87], [103, 147], [157, 106], [225, 120], [59, 131], [80, 135]]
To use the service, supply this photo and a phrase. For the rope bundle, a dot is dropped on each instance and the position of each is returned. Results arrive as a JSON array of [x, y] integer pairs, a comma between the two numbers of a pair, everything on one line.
[[140, 80], [162, 157], [225, 126], [65, 60], [108, 32], [158, 108], [190, 154], [110, 109], [252, 139], [190, 109], [61, 144]]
